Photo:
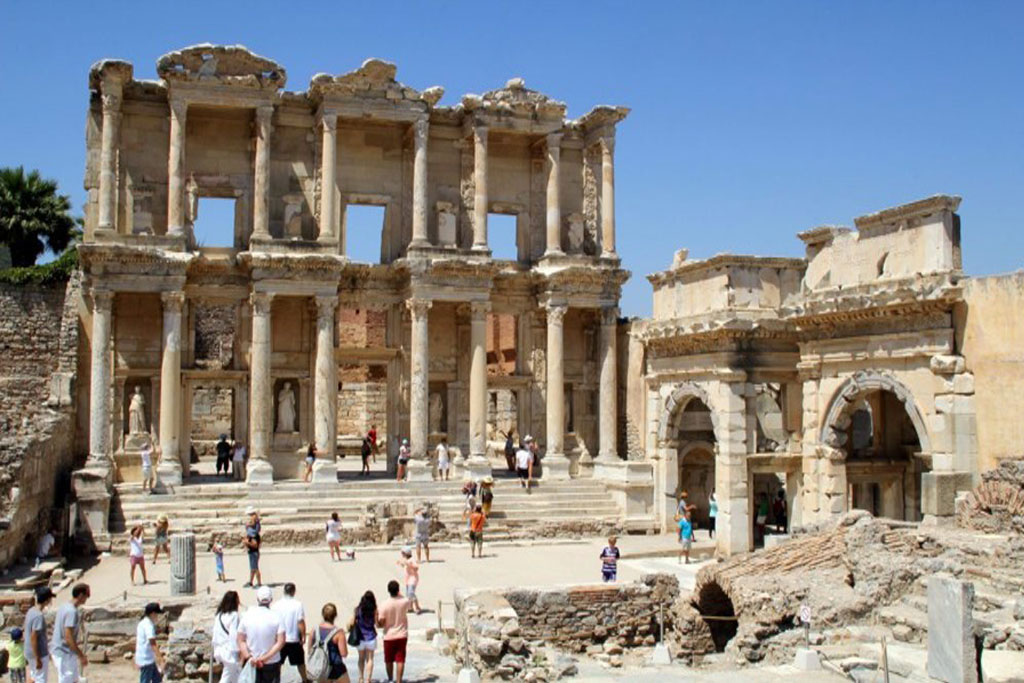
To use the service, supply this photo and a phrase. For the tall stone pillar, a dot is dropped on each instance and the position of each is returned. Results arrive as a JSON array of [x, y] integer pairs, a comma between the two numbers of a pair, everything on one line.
[[261, 421], [477, 465], [554, 206], [328, 178], [733, 530], [176, 169], [325, 392], [93, 483], [418, 468], [556, 464], [261, 182], [608, 415], [420, 131], [108, 155], [480, 192], [607, 197], [169, 470]]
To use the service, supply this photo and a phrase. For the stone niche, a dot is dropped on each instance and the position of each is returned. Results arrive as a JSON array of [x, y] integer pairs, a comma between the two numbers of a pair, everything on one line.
[[135, 441], [289, 437], [447, 225]]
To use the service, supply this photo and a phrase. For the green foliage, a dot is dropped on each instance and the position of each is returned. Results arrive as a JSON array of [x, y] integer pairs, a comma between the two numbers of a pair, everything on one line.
[[58, 270], [33, 217]]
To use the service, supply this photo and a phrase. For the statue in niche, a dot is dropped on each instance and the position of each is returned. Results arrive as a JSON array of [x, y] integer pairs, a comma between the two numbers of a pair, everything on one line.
[[192, 199], [435, 413], [137, 413], [286, 409]]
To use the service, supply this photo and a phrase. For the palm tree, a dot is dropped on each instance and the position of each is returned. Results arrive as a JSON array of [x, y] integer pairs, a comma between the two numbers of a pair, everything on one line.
[[33, 217]]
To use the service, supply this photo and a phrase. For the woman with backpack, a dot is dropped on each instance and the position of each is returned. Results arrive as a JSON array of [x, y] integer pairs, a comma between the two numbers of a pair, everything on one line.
[[327, 649], [363, 634], [225, 637]]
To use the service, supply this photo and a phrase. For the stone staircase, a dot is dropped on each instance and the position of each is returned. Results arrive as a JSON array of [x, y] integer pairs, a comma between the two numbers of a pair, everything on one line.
[[294, 513]]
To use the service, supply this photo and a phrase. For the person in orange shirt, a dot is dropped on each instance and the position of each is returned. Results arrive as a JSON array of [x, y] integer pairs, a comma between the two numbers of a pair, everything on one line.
[[476, 532]]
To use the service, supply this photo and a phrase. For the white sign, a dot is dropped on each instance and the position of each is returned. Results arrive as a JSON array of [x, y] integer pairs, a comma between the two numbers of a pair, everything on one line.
[[805, 614]]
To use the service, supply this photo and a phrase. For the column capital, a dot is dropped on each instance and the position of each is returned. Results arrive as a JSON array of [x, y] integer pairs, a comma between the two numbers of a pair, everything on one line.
[[102, 299], [326, 306], [607, 144], [328, 119], [418, 307], [554, 142], [479, 309], [261, 302], [264, 114], [111, 103], [420, 128], [556, 313], [480, 133], [172, 301], [610, 315], [179, 107]]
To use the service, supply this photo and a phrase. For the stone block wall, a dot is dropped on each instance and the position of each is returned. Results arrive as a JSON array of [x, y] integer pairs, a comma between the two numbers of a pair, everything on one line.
[[38, 366], [212, 415], [360, 405], [499, 631]]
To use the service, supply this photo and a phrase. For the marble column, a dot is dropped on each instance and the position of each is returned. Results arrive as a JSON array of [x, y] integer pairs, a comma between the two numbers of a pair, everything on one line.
[[419, 469], [261, 183], [555, 463], [325, 392], [169, 469], [99, 380], [176, 169], [328, 177], [421, 129], [108, 156], [607, 416], [480, 192], [554, 206], [477, 465], [261, 423], [607, 198]]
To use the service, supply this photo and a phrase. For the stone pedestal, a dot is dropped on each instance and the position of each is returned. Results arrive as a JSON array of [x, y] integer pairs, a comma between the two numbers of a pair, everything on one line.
[[259, 472], [183, 563], [92, 491], [951, 650], [555, 466], [939, 489], [419, 469], [476, 467], [325, 472]]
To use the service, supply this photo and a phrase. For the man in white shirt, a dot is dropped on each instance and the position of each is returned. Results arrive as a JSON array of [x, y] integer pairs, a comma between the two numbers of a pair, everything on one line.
[[261, 638], [443, 461], [293, 618], [146, 454], [524, 463], [147, 653], [66, 652]]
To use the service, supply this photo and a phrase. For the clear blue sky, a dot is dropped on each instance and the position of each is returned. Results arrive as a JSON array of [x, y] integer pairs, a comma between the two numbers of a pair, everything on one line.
[[751, 121]]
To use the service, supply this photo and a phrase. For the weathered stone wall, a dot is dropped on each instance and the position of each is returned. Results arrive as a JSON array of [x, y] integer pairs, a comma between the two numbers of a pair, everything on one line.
[[360, 405], [212, 415], [498, 632], [38, 358], [991, 334]]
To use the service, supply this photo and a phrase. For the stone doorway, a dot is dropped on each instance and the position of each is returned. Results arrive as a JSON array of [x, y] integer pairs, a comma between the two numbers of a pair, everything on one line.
[[694, 443], [212, 414]]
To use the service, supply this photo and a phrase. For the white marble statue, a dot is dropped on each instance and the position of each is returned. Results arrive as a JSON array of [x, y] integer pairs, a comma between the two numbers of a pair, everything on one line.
[[435, 412], [286, 409], [137, 413]]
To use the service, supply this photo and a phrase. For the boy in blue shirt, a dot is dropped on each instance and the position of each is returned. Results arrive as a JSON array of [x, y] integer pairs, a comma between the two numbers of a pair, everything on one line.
[[685, 537]]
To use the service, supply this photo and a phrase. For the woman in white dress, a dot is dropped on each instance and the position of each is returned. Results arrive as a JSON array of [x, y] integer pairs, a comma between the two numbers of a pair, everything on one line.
[[334, 536], [225, 637]]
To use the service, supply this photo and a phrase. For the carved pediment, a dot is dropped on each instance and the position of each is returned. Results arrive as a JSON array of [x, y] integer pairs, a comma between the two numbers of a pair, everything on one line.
[[374, 79], [221, 64], [517, 100]]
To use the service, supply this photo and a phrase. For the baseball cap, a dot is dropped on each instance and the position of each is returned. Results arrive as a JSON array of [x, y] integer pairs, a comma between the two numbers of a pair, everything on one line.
[[153, 608], [264, 594], [43, 593], [16, 634]]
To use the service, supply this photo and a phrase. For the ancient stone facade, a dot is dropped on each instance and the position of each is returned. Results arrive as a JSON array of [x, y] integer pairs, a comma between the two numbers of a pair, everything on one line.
[[280, 320], [842, 379]]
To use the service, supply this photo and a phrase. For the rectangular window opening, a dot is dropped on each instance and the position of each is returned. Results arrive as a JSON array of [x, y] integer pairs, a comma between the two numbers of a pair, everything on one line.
[[501, 229], [364, 232], [214, 224]]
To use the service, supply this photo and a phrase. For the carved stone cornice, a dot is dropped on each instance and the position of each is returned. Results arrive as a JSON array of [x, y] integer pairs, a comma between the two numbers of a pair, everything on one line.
[[105, 259]]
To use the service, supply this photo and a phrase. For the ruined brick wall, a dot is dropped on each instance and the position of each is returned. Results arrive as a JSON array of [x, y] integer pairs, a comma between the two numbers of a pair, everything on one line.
[[38, 364]]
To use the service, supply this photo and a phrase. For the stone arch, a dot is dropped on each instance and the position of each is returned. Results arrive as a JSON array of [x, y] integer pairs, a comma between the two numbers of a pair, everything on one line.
[[674, 405], [845, 400]]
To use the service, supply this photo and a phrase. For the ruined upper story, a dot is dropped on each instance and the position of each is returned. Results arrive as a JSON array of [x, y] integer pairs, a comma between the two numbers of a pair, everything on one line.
[[219, 123], [908, 255]]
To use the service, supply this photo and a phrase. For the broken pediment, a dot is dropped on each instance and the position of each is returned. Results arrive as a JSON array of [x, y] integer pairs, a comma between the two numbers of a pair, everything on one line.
[[109, 69], [375, 78], [222, 64], [517, 100]]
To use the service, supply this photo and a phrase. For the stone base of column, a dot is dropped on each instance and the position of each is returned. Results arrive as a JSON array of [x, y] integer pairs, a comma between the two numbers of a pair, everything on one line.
[[476, 468], [92, 485], [259, 473], [419, 470], [325, 472], [168, 475], [554, 466]]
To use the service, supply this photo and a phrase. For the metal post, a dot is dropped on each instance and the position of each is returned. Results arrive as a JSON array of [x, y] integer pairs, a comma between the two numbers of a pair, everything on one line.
[[885, 662]]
